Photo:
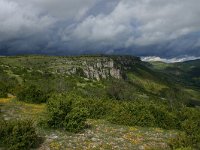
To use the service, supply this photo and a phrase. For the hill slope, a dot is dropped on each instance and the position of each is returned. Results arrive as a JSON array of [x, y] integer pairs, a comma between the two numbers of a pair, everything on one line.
[[84, 72]]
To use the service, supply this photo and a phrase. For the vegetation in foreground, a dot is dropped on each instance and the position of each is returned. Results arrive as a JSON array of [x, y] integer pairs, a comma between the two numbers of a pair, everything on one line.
[[99, 133], [18, 135]]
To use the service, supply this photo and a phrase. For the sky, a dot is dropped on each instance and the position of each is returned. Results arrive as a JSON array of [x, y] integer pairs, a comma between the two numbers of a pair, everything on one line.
[[158, 28]]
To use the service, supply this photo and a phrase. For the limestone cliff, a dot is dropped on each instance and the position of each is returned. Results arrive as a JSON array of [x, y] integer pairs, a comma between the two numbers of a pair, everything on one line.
[[96, 67]]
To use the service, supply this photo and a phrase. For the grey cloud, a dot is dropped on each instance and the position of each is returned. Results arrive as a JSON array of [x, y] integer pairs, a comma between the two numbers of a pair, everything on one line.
[[140, 27], [60, 9], [17, 22], [142, 22]]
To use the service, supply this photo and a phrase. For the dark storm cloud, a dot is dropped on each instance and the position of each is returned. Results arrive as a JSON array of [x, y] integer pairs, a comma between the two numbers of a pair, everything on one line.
[[139, 27]]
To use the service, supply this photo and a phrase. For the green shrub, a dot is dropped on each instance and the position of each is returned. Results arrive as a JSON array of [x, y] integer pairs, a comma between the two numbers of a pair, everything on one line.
[[18, 135], [57, 109], [62, 113], [121, 116], [190, 123], [75, 120], [180, 141], [3, 94], [188, 120], [32, 95], [164, 118], [97, 108], [3, 90], [143, 113]]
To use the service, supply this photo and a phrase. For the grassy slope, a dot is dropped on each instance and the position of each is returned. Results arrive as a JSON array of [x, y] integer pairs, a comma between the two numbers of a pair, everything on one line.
[[186, 75], [148, 79], [99, 135]]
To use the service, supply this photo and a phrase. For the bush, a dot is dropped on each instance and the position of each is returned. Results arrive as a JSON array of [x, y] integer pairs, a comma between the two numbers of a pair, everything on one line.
[[97, 108], [3, 94], [18, 135], [190, 123], [32, 95], [75, 120], [181, 141], [62, 113], [143, 113], [3, 90]]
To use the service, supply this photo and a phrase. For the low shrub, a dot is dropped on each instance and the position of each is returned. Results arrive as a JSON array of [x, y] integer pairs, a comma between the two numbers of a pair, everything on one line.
[[75, 120], [32, 95], [3, 91], [18, 135], [3, 94], [143, 113], [63, 113], [181, 141], [189, 124], [97, 108]]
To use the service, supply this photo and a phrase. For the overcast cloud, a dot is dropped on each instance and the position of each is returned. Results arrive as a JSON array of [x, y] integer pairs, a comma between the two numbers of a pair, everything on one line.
[[139, 27]]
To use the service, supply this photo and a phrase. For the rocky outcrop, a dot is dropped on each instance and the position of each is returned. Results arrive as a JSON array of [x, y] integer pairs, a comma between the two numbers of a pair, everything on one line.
[[102, 70], [96, 67]]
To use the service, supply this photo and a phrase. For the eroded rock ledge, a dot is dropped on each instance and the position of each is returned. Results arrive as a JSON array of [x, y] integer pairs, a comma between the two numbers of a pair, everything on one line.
[[96, 67]]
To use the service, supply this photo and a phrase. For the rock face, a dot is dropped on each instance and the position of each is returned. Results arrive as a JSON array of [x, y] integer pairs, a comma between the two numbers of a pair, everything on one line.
[[95, 67], [101, 70]]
